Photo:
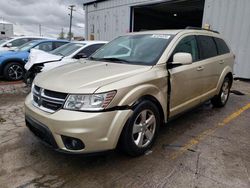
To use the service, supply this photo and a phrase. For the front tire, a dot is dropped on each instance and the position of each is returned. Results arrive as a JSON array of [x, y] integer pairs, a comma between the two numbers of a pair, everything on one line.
[[141, 129], [221, 99], [13, 71]]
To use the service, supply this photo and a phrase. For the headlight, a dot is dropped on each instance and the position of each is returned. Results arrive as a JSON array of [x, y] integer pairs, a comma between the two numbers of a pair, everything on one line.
[[95, 102]]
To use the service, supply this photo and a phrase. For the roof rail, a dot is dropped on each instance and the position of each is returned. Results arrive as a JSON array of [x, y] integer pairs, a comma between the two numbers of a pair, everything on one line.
[[199, 28]]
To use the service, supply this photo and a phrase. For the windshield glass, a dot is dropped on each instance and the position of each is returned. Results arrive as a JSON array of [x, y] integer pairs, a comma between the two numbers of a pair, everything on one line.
[[26, 46], [142, 49], [67, 49], [2, 41]]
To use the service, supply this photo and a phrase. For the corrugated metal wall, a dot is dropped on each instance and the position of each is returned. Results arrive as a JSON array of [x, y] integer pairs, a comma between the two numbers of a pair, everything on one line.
[[232, 19], [111, 18]]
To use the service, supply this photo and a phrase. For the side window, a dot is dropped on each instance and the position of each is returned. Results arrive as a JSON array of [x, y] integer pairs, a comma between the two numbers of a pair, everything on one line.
[[187, 45], [221, 46], [45, 46], [207, 47], [90, 49], [18, 42], [58, 44]]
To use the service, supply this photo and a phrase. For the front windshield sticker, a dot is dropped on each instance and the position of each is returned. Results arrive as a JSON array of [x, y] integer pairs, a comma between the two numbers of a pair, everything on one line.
[[161, 36]]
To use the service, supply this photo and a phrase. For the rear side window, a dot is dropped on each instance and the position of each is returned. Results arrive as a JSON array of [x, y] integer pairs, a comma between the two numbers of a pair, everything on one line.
[[58, 44], [221, 46], [91, 49], [208, 47], [188, 45], [45, 46]]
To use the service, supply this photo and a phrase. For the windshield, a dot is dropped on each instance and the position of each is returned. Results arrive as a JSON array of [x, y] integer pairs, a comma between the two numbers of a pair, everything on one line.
[[26, 46], [67, 49], [142, 49], [2, 41]]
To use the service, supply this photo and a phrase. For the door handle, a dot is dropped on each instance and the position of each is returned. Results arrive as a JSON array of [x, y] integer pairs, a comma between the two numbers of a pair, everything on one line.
[[200, 68], [222, 61]]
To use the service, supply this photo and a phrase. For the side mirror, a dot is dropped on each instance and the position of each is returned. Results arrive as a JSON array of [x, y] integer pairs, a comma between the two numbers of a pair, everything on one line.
[[9, 45], [182, 58], [80, 55]]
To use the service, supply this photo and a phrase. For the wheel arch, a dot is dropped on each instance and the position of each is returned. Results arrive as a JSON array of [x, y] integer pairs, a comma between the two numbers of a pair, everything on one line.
[[150, 98], [13, 60], [227, 72], [154, 101]]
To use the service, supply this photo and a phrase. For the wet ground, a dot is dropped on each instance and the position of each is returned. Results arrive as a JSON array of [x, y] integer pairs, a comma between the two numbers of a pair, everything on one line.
[[206, 147]]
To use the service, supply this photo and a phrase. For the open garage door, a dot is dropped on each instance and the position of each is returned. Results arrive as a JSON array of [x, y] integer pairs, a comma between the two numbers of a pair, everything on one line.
[[176, 14]]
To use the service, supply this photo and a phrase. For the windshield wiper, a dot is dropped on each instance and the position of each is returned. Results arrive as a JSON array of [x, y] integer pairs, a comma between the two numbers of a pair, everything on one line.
[[110, 59]]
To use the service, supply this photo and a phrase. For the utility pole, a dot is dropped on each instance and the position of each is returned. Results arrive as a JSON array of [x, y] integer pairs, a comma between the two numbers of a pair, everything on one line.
[[71, 8], [40, 30]]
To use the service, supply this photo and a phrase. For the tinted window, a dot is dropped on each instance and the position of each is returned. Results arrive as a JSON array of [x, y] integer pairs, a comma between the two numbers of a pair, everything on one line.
[[90, 49], [187, 45], [67, 49], [19, 42], [58, 44], [45, 46], [26, 46], [207, 47], [221, 46]]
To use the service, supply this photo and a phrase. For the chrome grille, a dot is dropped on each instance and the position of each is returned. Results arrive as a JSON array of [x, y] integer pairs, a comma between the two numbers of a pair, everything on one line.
[[46, 100]]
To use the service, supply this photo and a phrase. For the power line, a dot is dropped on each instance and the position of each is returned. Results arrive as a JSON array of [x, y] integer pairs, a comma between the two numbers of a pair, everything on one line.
[[71, 8]]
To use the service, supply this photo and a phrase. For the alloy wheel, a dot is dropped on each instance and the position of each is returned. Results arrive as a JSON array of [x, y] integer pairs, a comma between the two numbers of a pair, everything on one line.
[[15, 72], [225, 92], [144, 128]]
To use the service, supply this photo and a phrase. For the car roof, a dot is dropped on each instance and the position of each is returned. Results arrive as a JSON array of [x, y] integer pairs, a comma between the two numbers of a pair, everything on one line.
[[87, 42], [179, 31], [49, 40], [39, 37]]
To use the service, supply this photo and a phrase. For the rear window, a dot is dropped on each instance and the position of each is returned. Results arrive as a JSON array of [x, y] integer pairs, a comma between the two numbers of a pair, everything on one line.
[[207, 47], [221, 46]]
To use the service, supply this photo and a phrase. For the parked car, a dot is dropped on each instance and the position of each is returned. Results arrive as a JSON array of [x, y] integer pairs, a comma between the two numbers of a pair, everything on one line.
[[12, 62], [128, 89], [40, 61], [15, 42]]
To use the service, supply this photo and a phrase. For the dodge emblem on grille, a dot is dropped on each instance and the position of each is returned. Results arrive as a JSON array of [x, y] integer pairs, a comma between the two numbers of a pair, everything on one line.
[[40, 100]]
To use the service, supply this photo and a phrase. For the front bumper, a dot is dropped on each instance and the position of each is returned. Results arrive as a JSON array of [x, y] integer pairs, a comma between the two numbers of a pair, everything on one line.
[[99, 131]]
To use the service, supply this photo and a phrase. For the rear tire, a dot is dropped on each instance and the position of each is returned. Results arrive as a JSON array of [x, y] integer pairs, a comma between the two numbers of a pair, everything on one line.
[[13, 71], [141, 129], [221, 99]]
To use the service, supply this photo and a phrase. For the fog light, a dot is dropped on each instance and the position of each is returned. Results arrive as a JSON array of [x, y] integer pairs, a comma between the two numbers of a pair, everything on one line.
[[73, 143]]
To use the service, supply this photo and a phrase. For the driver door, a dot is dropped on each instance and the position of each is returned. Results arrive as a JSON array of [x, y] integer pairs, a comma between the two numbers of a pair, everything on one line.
[[186, 80]]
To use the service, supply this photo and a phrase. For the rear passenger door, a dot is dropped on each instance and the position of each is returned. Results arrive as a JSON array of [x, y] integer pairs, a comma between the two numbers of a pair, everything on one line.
[[210, 63], [225, 57]]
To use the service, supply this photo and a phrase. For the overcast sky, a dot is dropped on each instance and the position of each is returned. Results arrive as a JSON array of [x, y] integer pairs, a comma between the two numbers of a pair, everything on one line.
[[26, 15]]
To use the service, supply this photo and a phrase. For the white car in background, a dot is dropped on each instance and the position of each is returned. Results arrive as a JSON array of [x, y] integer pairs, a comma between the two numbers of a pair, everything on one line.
[[40, 61], [15, 42]]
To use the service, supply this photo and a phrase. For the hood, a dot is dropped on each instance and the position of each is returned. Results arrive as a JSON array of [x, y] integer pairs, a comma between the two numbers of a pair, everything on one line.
[[39, 56], [86, 76]]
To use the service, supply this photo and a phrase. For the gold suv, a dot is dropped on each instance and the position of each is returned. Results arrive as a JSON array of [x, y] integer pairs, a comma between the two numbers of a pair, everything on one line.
[[126, 90]]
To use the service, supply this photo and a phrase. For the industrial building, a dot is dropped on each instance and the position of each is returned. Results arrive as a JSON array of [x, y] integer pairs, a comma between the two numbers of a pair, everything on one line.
[[6, 30], [107, 19]]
